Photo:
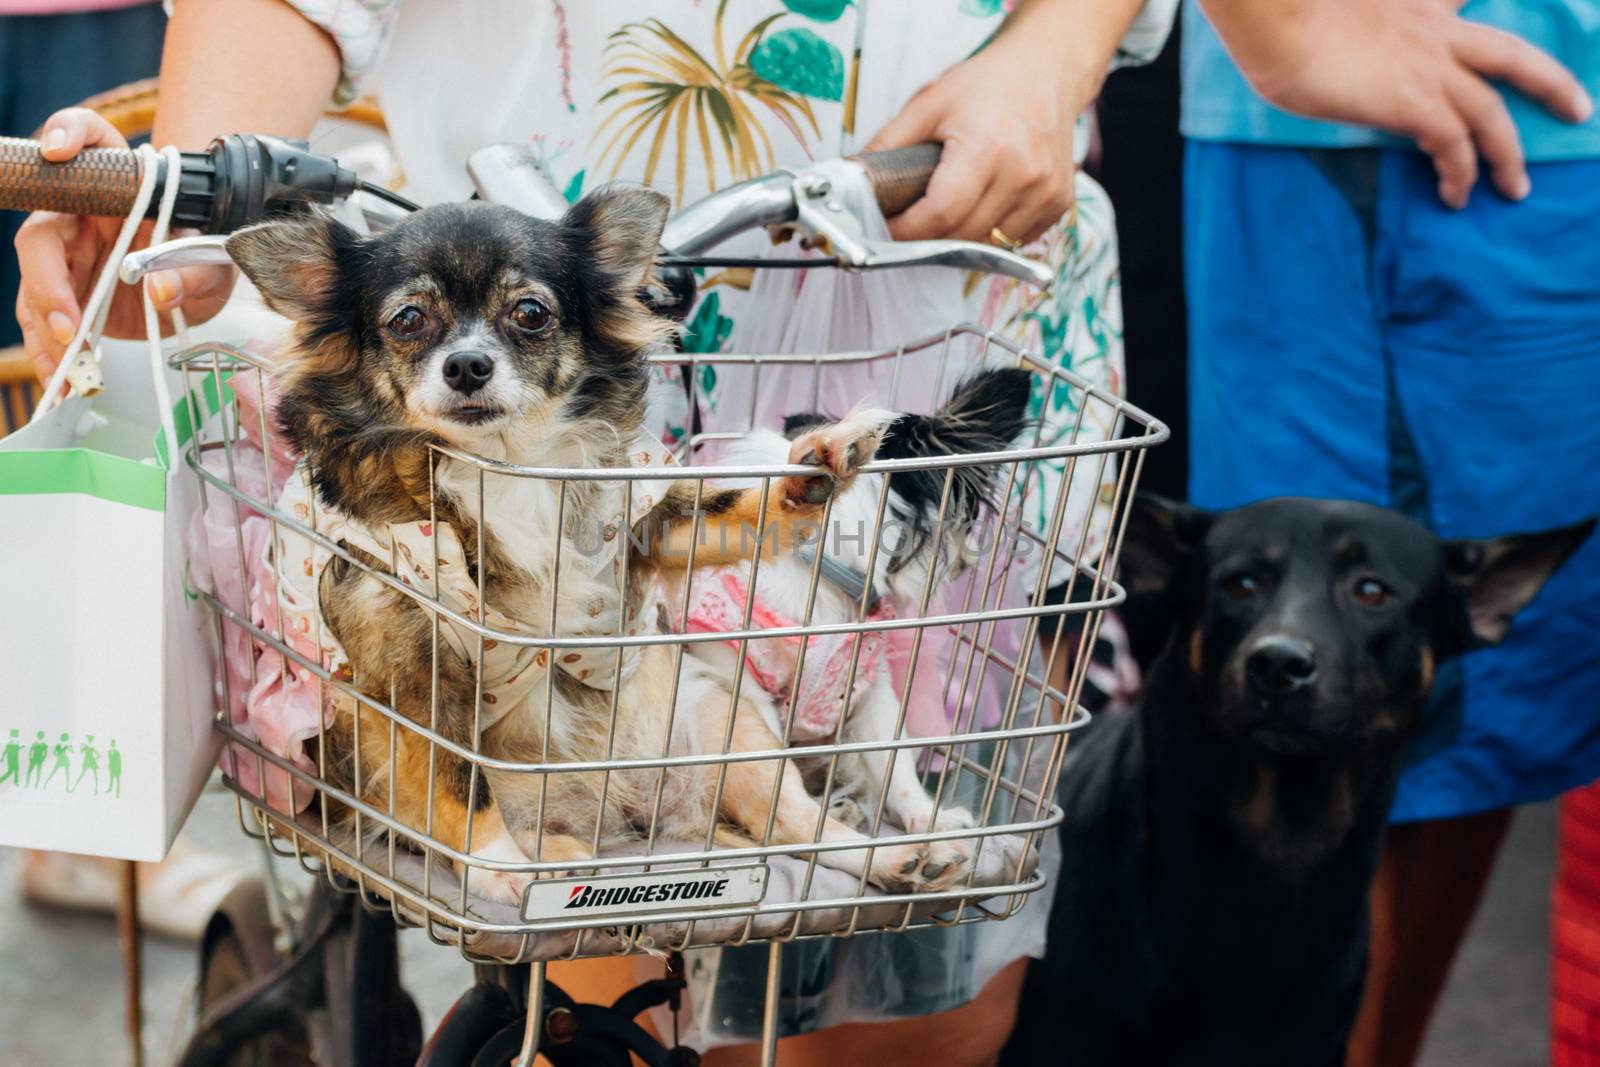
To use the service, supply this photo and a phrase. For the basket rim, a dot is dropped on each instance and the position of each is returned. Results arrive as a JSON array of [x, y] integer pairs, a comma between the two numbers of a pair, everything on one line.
[[1155, 431]]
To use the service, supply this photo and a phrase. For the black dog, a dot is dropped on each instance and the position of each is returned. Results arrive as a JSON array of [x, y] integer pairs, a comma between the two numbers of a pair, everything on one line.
[[1212, 905]]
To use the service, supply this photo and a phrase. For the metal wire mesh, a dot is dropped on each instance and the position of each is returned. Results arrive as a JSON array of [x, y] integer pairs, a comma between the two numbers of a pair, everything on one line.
[[1010, 696]]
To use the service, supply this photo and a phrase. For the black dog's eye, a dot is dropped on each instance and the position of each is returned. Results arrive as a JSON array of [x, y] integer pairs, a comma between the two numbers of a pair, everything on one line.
[[530, 316], [1241, 587], [1370, 592], [407, 322]]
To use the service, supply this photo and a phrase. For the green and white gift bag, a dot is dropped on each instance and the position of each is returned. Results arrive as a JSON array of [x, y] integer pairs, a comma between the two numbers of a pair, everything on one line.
[[106, 666]]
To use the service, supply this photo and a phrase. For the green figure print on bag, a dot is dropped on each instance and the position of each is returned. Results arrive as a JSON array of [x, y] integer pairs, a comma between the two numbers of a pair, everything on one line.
[[36, 754], [13, 760], [63, 751], [91, 764]]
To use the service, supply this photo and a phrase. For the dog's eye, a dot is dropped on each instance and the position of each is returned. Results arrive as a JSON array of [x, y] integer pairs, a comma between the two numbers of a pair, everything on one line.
[[1370, 592], [1241, 587], [407, 322], [530, 316]]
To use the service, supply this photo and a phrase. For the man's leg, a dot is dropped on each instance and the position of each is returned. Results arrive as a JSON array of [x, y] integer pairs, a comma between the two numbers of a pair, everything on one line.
[[1430, 880]]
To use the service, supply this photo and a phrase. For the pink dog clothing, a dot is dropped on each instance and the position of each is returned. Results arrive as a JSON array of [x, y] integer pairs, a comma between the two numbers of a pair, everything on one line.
[[718, 606]]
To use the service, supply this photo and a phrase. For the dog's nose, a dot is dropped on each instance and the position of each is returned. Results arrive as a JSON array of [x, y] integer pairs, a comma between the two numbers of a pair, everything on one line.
[[1279, 665], [467, 372]]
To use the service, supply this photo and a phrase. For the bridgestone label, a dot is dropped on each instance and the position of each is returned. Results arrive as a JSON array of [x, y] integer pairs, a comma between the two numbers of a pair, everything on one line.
[[644, 894]]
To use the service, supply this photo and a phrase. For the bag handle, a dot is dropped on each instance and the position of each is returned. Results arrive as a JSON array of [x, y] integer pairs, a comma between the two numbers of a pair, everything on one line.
[[81, 363]]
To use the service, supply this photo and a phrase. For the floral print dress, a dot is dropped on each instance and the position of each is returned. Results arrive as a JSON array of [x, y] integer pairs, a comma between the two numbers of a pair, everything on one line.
[[691, 96]]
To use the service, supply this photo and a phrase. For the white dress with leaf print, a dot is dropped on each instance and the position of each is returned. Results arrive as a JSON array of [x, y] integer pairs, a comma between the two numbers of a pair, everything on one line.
[[690, 96]]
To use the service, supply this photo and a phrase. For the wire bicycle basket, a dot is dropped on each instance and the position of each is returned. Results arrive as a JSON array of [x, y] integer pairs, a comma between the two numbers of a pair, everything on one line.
[[996, 747]]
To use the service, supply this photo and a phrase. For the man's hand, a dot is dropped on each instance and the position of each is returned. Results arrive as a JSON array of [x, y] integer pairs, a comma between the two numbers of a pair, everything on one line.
[[1411, 67]]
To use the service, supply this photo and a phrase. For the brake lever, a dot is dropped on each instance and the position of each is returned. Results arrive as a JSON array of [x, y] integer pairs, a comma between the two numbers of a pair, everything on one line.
[[204, 251], [826, 224], [209, 250], [512, 174]]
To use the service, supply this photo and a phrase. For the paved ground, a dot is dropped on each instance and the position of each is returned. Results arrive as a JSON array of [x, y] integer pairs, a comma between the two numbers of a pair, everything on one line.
[[61, 990], [1495, 1009]]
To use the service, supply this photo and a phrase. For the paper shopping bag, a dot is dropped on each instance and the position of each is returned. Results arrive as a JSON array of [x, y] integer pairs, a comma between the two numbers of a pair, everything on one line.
[[105, 664]]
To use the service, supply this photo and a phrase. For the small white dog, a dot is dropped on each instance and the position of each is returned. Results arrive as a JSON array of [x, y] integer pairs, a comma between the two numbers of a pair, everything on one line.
[[914, 551]]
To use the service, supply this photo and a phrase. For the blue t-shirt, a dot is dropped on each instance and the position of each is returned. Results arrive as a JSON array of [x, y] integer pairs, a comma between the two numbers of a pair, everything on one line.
[[1219, 105]]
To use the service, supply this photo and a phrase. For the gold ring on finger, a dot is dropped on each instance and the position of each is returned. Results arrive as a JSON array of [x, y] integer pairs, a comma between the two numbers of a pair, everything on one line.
[[997, 236]]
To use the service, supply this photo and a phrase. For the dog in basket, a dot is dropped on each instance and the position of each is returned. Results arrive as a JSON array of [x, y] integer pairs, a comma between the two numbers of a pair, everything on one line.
[[476, 329], [871, 570]]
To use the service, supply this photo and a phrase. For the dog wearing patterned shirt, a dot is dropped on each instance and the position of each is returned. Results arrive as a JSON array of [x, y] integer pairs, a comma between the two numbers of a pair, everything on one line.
[[472, 328]]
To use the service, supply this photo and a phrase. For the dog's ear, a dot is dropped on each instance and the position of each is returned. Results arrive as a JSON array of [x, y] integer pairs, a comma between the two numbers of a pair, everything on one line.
[[1161, 537], [621, 227], [294, 262], [618, 231], [1499, 577]]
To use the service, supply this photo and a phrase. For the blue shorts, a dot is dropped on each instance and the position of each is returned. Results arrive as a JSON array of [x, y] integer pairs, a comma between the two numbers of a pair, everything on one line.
[[1351, 337]]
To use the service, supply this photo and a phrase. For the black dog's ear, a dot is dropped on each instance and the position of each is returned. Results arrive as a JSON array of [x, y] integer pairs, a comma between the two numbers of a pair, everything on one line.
[[1499, 576], [621, 224], [294, 262], [1161, 537]]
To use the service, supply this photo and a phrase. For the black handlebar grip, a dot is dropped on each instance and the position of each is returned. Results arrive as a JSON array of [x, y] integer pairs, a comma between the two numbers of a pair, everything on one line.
[[100, 181], [900, 175]]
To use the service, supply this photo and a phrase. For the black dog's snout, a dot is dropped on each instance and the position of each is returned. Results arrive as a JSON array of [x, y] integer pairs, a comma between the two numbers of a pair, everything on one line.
[[467, 372], [1280, 665]]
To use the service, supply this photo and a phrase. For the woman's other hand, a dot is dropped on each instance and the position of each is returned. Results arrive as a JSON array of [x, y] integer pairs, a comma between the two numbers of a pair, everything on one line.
[[60, 257]]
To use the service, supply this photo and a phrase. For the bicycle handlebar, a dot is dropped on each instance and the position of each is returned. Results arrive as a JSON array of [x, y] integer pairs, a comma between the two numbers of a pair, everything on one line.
[[900, 176], [242, 177], [100, 181], [238, 180]]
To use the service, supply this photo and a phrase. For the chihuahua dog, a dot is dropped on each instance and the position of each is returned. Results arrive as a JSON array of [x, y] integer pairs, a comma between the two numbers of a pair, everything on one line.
[[474, 329], [888, 570], [1219, 844]]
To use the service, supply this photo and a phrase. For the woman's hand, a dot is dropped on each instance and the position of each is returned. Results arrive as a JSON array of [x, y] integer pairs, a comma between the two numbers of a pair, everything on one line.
[[1412, 67], [60, 257], [1005, 118]]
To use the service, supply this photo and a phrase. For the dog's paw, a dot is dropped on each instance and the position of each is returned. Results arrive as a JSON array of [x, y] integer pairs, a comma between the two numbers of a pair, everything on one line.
[[955, 819], [844, 808], [840, 447], [922, 868], [947, 819], [502, 887], [572, 872], [552, 847], [570, 852]]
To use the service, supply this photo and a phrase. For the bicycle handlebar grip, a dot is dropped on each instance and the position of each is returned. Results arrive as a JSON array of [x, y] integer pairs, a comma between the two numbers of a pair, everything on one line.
[[900, 175], [100, 181]]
